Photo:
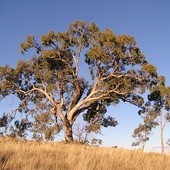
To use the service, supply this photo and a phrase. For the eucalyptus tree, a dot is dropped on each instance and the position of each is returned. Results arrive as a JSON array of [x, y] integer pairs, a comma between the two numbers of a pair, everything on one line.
[[156, 111], [45, 127], [141, 134], [160, 99], [79, 72]]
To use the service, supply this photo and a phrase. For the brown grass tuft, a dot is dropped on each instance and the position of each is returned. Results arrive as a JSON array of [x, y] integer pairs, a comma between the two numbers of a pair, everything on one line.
[[27, 155]]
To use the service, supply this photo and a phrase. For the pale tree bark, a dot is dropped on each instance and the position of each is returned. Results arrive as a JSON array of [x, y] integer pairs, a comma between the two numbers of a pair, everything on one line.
[[162, 127]]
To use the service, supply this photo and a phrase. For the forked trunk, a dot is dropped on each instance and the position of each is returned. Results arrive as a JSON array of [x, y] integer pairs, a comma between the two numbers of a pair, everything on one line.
[[68, 134]]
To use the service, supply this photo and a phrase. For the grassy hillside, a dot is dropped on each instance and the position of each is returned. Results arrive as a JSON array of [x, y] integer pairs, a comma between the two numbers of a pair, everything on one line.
[[27, 155]]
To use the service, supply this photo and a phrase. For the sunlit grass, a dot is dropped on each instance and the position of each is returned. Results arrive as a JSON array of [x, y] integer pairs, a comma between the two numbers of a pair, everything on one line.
[[27, 155]]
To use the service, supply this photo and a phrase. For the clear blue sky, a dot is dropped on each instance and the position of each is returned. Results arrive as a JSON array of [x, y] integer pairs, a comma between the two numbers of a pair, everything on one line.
[[147, 20]]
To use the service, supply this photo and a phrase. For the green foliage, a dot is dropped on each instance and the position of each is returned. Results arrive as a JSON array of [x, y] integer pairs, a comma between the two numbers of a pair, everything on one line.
[[45, 127], [141, 134], [4, 121], [18, 130]]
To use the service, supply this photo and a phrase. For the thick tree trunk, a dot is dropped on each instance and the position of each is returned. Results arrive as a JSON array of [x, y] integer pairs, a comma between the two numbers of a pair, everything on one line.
[[68, 134]]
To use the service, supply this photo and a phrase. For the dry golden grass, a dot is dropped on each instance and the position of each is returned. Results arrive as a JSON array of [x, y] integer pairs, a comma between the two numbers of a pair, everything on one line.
[[27, 155]]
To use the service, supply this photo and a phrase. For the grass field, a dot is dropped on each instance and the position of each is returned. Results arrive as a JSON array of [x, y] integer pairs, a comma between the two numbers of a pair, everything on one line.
[[27, 155]]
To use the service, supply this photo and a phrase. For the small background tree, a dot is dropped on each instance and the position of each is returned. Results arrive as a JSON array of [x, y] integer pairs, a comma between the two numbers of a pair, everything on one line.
[[156, 110], [45, 127]]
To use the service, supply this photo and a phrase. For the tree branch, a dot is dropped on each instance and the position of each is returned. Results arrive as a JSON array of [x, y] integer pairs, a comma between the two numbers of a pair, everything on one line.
[[58, 105]]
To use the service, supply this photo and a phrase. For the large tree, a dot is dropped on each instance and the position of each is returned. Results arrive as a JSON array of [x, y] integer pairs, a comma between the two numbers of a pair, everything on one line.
[[79, 72]]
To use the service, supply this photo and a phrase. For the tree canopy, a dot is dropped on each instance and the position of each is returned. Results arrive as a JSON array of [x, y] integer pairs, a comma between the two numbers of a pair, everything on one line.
[[51, 82]]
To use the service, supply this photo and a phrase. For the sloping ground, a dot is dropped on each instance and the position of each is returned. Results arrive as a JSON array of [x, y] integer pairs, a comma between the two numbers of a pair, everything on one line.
[[27, 155]]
